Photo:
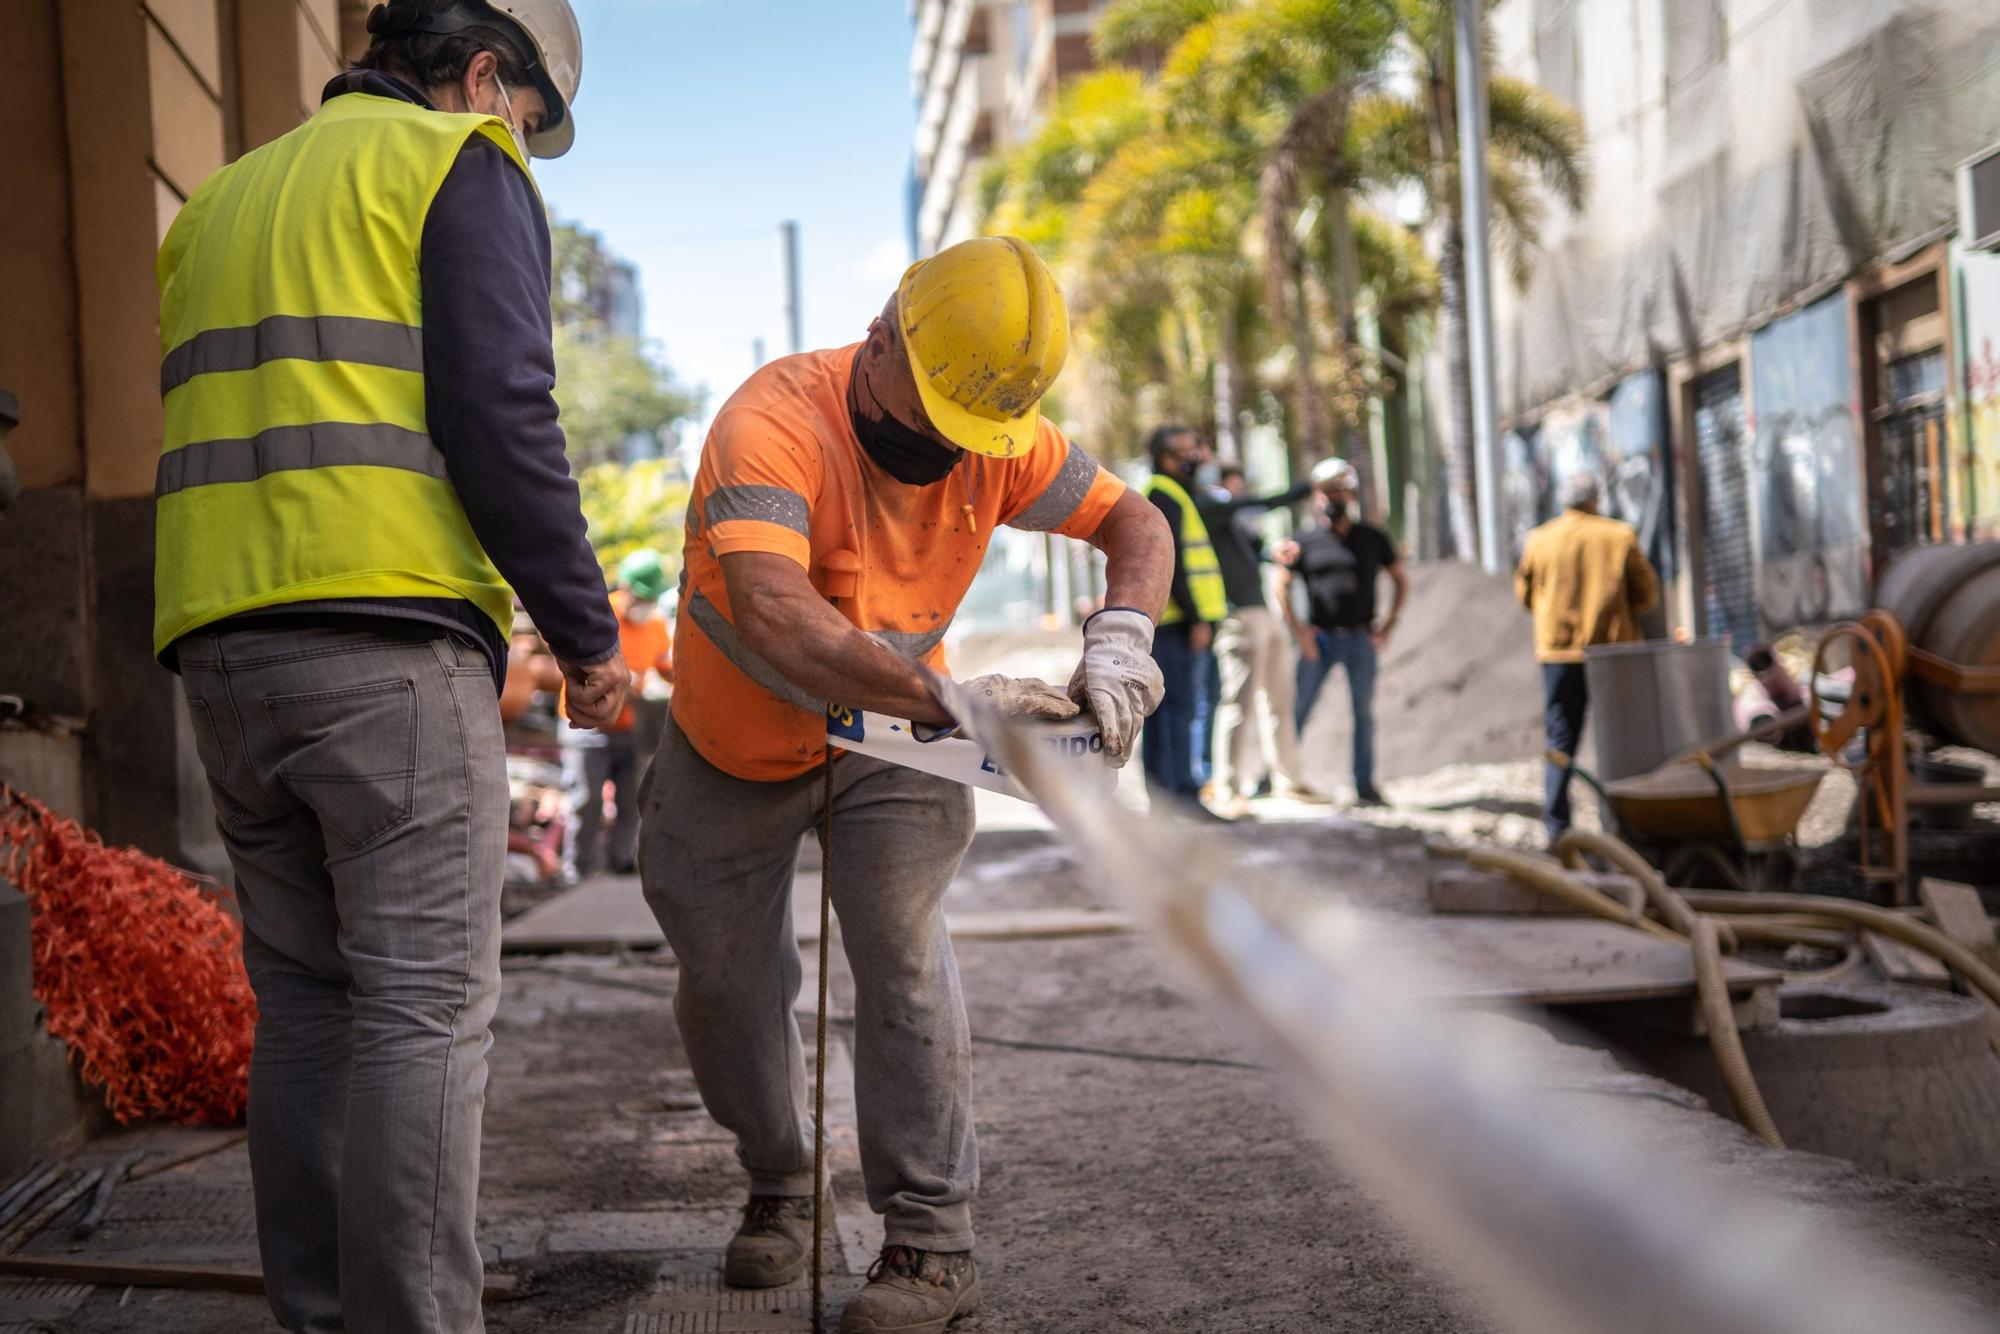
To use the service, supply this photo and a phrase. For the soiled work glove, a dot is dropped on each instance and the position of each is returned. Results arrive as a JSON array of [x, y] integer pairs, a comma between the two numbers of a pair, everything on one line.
[[1117, 679], [1022, 697]]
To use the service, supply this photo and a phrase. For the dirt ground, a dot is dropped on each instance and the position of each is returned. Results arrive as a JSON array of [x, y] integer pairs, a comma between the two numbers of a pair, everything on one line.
[[1140, 1171]]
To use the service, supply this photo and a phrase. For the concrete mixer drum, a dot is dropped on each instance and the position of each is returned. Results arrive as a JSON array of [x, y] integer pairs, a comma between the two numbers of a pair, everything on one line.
[[1948, 601]]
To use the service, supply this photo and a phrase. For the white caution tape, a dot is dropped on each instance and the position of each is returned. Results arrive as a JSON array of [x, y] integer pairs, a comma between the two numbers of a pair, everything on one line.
[[1076, 746]]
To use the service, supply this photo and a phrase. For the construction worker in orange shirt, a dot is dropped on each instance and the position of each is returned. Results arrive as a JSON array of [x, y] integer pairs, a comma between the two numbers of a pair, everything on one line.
[[898, 455]]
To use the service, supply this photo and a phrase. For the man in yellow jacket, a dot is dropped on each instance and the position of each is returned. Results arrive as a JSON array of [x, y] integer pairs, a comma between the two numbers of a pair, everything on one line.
[[1587, 582]]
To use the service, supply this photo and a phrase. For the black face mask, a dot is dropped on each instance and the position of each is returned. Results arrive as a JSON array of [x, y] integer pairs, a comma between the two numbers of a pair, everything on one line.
[[906, 454]]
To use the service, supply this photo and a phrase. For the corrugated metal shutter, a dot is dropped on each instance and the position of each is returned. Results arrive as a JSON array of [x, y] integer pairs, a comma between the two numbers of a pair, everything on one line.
[[1729, 572]]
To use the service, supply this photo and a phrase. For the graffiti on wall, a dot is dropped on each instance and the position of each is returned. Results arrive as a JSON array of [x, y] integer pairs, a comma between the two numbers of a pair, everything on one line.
[[1977, 478], [1621, 441], [1806, 472]]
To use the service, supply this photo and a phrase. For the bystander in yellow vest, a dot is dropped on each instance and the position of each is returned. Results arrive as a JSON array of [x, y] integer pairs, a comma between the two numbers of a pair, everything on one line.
[[296, 464], [1204, 571]]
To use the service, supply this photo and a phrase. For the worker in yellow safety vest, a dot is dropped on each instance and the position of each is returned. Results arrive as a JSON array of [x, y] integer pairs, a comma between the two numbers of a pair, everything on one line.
[[361, 455], [1197, 601]]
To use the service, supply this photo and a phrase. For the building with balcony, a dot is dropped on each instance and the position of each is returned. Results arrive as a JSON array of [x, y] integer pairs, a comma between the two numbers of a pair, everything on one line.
[[982, 73]]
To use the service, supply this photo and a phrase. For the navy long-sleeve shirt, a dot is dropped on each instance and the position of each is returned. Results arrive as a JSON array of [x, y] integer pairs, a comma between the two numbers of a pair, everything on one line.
[[489, 382], [1238, 549]]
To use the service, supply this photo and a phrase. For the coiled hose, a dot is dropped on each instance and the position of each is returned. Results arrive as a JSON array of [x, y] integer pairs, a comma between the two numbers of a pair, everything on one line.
[[1719, 1017], [1895, 925], [1622, 856], [1704, 937], [1550, 878]]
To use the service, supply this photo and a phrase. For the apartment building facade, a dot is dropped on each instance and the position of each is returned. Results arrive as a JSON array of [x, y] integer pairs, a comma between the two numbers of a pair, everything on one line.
[[982, 73], [1765, 330]]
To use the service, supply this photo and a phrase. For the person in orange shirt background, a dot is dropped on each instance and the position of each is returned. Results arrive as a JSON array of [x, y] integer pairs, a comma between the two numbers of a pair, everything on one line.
[[593, 759], [844, 501]]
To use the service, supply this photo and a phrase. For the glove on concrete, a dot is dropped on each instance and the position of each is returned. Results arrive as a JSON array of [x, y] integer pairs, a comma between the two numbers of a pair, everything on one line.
[[1117, 679], [1022, 697]]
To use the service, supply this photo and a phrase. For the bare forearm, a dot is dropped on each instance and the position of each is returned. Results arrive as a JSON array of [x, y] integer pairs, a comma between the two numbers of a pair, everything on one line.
[[815, 648], [1290, 613], [1400, 582], [1139, 555]]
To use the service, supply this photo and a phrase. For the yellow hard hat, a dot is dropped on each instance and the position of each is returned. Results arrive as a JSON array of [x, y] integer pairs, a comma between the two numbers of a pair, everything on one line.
[[987, 332]]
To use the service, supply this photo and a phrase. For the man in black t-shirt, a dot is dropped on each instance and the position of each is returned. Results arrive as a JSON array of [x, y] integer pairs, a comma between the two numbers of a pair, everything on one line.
[[1340, 557]]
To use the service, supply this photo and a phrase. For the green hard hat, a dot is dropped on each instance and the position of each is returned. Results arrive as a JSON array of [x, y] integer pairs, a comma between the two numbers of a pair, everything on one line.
[[642, 575]]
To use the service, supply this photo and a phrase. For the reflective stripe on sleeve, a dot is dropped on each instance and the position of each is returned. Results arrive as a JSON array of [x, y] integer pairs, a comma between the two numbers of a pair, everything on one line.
[[1060, 498]]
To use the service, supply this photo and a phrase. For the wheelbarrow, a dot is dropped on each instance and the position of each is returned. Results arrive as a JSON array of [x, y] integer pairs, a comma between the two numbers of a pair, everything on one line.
[[1693, 813]]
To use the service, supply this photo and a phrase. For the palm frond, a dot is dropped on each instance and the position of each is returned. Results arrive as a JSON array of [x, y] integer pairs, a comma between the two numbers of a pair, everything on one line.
[[1535, 127], [1129, 27]]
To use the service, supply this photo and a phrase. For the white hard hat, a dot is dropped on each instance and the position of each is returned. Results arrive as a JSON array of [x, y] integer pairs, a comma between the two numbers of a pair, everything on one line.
[[554, 53], [550, 26], [1336, 472]]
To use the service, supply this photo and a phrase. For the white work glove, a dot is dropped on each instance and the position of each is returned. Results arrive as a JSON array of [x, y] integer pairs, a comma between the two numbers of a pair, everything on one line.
[[1013, 697], [1117, 679]]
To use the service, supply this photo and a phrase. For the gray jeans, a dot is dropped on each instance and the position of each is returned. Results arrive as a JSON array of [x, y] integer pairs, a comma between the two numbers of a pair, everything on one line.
[[716, 856], [360, 786]]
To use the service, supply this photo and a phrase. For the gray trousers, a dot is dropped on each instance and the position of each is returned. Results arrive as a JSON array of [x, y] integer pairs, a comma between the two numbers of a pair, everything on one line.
[[360, 785], [716, 856]]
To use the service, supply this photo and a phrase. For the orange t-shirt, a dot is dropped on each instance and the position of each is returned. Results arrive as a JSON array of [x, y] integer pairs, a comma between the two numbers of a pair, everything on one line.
[[782, 472]]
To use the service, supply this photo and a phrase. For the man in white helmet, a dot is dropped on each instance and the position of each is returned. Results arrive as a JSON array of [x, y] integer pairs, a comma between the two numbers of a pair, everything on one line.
[[1339, 556], [361, 467]]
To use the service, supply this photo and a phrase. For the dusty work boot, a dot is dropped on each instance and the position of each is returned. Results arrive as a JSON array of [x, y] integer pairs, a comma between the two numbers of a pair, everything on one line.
[[913, 1292], [774, 1241]]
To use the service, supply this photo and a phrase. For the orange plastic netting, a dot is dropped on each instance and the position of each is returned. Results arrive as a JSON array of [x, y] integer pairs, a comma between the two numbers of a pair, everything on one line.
[[139, 967]]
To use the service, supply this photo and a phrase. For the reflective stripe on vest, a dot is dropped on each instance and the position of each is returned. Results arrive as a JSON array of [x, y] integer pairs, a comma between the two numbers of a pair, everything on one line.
[[1198, 562], [296, 463]]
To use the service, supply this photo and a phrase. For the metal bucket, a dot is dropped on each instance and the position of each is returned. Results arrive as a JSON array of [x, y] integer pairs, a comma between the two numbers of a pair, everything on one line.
[[1655, 699], [1948, 599]]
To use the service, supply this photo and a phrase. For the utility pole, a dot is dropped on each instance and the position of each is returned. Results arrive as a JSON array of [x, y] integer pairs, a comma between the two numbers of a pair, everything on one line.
[[756, 352], [788, 242], [1471, 79]]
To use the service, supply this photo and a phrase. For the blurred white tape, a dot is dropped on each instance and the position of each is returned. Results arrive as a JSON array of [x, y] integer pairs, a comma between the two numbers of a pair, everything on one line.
[[1077, 746]]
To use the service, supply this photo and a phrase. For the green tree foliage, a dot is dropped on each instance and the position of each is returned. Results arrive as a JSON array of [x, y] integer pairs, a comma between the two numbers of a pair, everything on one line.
[[609, 387], [1210, 202], [632, 506], [610, 390]]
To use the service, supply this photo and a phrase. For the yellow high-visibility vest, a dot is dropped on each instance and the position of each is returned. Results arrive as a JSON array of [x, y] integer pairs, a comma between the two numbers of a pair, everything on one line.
[[296, 463], [1198, 562]]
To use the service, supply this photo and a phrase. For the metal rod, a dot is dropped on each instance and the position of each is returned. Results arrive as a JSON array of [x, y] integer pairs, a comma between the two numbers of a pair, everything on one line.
[[1473, 194], [788, 235]]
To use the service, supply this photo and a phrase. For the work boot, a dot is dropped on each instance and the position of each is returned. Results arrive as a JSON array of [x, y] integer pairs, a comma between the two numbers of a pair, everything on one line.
[[774, 1241], [1369, 796], [913, 1292]]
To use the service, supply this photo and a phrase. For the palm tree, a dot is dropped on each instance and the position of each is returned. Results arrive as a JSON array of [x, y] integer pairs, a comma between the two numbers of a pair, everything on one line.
[[1276, 78], [1533, 140]]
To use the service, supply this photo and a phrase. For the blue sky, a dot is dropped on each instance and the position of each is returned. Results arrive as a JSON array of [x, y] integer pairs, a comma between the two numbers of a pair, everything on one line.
[[702, 124]]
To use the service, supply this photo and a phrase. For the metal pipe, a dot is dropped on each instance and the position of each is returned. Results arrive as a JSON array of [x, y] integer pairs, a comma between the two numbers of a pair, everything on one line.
[[1473, 208]]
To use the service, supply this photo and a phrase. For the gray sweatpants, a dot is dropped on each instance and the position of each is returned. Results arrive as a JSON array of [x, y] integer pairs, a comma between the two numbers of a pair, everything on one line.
[[716, 856], [361, 788]]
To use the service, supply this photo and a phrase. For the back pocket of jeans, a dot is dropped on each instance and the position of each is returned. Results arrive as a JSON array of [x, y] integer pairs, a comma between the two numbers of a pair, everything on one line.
[[351, 755]]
